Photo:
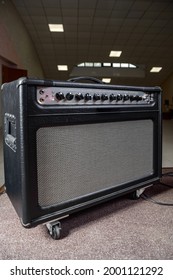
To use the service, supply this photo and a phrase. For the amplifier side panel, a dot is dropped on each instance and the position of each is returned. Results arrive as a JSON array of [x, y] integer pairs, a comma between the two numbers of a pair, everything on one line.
[[14, 144]]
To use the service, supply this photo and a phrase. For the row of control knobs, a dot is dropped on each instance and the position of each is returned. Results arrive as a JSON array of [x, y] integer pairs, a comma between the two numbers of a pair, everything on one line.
[[103, 97]]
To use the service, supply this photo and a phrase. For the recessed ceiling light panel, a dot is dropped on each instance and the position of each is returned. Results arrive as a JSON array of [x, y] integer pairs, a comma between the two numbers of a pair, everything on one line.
[[115, 53], [56, 27], [62, 67], [155, 69], [106, 80]]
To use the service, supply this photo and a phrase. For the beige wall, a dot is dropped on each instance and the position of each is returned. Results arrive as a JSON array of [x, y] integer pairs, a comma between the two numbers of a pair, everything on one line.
[[16, 47], [19, 48]]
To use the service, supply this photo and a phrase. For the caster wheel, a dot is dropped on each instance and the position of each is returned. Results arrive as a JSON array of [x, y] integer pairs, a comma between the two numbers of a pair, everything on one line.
[[54, 229], [134, 195], [56, 232]]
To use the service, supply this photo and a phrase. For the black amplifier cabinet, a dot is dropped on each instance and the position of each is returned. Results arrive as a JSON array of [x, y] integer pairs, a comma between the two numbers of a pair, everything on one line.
[[68, 146]]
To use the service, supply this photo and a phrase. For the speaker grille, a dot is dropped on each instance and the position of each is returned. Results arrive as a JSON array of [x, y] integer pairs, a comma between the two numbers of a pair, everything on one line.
[[76, 160]]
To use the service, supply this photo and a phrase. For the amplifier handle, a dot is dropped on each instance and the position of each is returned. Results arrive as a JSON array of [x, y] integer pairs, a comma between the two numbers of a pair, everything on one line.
[[92, 79], [10, 131]]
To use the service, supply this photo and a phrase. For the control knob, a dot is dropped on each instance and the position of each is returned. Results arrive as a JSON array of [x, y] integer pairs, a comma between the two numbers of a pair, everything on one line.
[[96, 97], [112, 97], [132, 97], [104, 97], [69, 96], [79, 96], [119, 97], [88, 97], [59, 96], [125, 97], [138, 98]]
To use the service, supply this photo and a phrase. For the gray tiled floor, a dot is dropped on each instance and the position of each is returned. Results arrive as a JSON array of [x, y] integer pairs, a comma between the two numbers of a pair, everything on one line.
[[167, 155]]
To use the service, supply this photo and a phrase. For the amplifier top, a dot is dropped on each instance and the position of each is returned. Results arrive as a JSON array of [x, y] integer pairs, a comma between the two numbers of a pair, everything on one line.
[[92, 96]]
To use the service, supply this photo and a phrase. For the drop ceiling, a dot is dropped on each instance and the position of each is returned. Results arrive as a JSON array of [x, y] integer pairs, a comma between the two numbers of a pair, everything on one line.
[[141, 29]]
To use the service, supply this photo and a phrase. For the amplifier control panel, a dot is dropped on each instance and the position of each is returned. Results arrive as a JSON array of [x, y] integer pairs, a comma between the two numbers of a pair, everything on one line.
[[88, 96]]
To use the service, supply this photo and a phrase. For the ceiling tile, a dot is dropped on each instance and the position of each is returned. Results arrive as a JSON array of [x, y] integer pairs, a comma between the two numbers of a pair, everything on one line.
[[69, 4], [89, 4], [141, 5], [105, 5], [39, 20], [123, 5], [53, 12], [135, 14], [69, 13], [32, 3], [88, 12], [51, 4], [54, 19]]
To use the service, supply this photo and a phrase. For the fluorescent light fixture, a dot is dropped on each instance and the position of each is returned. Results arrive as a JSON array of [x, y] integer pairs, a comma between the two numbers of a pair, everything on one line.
[[97, 64], [62, 67], [115, 53], [107, 64], [132, 66], [116, 65], [81, 64], [124, 65], [56, 27], [106, 80], [89, 64], [156, 69]]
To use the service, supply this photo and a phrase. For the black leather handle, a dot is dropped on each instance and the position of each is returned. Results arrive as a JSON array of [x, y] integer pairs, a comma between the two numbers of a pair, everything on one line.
[[87, 78]]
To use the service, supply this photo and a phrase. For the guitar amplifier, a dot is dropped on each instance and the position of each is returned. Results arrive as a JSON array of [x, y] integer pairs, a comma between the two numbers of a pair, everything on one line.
[[71, 145]]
